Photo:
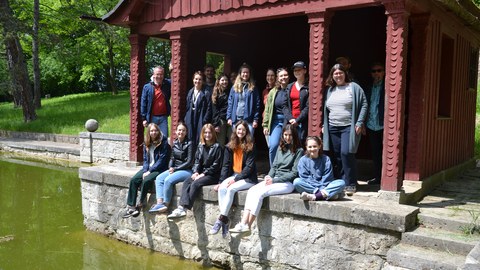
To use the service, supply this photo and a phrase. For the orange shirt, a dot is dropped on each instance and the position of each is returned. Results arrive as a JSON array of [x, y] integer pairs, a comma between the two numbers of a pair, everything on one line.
[[237, 160], [159, 105]]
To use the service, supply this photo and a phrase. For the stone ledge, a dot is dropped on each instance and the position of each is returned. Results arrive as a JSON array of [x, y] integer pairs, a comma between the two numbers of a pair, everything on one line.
[[104, 136], [361, 210], [71, 139], [46, 146]]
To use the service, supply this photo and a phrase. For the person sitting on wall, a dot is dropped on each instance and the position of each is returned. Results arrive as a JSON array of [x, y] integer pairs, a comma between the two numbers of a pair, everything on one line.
[[206, 170], [278, 181], [156, 152], [155, 101], [180, 168], [239, 172], [315, 173]]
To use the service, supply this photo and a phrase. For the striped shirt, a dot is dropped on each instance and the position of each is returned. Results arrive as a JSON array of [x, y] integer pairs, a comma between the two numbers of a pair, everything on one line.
[[340, 106]]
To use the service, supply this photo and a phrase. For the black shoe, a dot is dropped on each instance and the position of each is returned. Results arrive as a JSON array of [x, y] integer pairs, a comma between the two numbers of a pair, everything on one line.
[[373, 182]]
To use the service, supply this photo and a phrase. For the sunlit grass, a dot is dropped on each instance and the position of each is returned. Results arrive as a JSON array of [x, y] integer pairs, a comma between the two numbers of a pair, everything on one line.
[[67, 114]]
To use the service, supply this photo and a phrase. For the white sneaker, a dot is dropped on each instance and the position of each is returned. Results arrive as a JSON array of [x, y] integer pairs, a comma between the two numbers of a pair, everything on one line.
[[177, 213], [240, 228]]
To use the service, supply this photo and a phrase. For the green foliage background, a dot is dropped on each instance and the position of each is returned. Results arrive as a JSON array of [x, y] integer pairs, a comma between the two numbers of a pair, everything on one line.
[[74, 53]]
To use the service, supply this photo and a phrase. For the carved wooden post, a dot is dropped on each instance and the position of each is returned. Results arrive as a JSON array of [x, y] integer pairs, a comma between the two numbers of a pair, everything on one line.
[[137, 80], [179, 77], [319, 37], [395, 85]]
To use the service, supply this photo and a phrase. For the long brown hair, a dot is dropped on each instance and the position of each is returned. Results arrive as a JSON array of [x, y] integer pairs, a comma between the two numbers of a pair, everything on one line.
[[149, 140], [295, 140], [212, 130], [218, 90], [246, 143]]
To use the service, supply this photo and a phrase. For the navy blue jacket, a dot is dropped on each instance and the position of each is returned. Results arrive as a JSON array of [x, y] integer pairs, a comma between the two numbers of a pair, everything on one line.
[[161, 156], [147, 99]]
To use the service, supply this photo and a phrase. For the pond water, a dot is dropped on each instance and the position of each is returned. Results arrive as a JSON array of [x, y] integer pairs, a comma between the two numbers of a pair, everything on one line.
[[41, 224]]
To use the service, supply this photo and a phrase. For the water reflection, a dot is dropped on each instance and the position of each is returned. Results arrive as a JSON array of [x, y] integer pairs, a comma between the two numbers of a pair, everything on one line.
[[41, 224]]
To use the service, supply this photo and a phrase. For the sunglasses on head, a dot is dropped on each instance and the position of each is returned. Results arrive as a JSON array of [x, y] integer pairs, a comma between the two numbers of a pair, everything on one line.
[[377, 70]]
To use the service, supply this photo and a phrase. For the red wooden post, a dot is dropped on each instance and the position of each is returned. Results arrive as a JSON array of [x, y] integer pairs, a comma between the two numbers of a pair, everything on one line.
[[137, 79], [179, 77], [395, 85], [319, 36]]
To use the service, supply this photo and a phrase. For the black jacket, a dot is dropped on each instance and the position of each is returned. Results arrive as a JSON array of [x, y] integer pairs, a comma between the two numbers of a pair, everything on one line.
[[287, 108], [213, 164], [220, 109], [182, 155], [249, 169]]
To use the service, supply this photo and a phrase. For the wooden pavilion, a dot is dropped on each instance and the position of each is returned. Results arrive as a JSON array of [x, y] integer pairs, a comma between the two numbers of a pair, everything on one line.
[[429, 47]]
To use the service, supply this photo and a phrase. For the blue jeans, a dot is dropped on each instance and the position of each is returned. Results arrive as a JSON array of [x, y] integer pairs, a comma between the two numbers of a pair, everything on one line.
[[275, 135], [162, 122], [330, 189], [165, 183], [345, 161]]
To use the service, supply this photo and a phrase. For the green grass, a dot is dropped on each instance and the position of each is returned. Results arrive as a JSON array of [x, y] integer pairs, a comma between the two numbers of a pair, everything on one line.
[[67, 114]]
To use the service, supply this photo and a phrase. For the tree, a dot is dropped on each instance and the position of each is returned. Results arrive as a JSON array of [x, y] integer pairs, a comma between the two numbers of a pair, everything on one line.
[[36, 65], [16, 61]]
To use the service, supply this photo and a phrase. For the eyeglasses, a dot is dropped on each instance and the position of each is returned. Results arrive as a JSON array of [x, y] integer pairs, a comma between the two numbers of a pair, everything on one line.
[[377, 70]]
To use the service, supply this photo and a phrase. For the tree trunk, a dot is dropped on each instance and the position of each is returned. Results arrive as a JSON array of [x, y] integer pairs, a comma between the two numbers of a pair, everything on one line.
[[111, 71], [37, 93], [16, 61]]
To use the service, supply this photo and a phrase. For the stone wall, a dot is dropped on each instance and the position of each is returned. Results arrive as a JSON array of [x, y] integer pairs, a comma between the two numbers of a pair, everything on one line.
[[288, 234], [103, 147]]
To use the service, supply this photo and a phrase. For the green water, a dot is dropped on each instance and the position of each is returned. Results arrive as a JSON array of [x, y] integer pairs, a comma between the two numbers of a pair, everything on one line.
[[41, 225]]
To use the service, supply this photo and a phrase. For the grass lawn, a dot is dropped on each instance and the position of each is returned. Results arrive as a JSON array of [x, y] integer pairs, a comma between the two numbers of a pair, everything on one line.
[[67, 114]]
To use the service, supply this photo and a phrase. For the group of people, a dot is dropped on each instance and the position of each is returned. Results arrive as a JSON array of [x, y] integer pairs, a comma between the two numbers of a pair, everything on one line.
[[215, 143]]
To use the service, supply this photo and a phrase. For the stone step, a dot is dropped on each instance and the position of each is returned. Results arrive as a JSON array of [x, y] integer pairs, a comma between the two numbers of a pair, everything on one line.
[[444, 221], [441, 240], [413, 257]]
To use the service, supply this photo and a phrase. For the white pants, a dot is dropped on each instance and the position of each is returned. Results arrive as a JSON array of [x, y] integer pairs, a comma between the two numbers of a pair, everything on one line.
[[257, 193], [226, 193]]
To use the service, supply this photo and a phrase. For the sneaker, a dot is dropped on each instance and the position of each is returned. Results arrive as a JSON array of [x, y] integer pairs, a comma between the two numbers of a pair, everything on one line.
[[177, 213], [158, 208], [131, 212], [307, 196], [349, 190], [224, 230], [240, 228], [216, 227]]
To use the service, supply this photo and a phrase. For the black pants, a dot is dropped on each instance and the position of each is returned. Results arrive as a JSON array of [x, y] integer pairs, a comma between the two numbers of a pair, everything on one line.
[[191, 189], [376, 144]]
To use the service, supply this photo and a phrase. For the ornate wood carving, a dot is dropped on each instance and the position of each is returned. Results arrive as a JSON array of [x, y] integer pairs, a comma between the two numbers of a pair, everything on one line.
[[137, 75], [319, 37], [395, 84], [179, 77]]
